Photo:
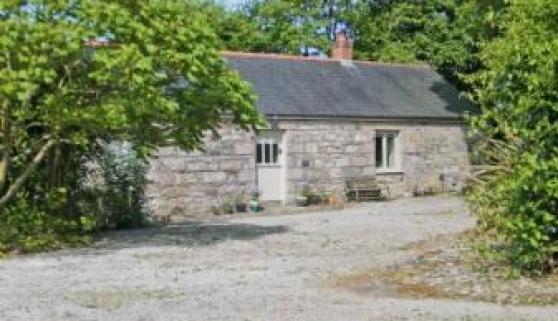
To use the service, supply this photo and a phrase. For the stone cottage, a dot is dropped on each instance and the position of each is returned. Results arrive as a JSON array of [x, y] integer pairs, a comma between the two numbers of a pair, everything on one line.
[[329, 120]]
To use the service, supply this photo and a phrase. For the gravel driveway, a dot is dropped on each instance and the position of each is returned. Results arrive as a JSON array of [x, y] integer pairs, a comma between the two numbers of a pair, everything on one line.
[[272, 268]]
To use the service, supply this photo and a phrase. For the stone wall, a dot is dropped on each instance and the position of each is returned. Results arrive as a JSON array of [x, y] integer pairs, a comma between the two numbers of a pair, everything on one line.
[[324, 153], [321, 154], [190, 184], [434, 156]]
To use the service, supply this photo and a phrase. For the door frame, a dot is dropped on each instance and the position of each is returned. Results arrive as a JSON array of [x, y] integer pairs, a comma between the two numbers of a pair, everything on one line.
[[280, 137]]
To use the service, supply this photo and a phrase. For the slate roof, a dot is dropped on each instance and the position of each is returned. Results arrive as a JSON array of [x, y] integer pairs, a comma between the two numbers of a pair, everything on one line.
[[308, 87]]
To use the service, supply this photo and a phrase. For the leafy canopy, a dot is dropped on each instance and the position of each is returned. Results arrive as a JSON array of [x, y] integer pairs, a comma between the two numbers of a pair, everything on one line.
[[75, 71], [278, 26], [517, 195], [158, 79]]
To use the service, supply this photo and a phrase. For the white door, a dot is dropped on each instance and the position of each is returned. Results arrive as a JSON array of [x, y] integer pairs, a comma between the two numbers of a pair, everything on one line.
[[269, 163]]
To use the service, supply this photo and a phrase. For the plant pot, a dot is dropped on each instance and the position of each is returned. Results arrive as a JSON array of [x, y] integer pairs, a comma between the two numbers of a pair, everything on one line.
[[255, 206], [332, 200], [240, 207], [216, 210], [314, 199], [227, 208], [301, 201]]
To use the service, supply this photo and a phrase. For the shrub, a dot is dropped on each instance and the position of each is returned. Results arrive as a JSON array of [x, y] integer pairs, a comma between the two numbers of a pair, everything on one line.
[[26, 228], [522, 209], [116, 195], [110, 195], [517, 195]]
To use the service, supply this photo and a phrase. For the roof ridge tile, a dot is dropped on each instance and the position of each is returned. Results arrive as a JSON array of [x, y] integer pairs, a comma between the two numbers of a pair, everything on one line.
[[265, 55]]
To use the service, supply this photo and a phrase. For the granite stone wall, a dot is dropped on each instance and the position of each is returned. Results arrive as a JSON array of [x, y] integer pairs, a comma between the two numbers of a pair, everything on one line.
[[320, 154], [191, 183], [324, 154]]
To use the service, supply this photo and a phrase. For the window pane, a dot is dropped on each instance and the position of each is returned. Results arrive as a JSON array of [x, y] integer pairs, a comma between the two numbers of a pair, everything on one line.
[[267, 153], [275, 153], [379, 151], [390, 150], [258, 153]]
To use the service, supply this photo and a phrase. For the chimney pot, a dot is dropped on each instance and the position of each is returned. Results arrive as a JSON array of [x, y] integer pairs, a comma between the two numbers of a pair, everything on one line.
[[343, 47]]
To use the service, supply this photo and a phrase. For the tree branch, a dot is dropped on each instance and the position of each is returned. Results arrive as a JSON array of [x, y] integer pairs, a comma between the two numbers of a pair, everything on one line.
[[6, 144], [14, 188]]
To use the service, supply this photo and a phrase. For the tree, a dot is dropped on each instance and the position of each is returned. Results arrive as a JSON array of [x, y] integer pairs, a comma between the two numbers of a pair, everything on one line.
[[280, 26], [517, 132], [78, 72], [444, 33]]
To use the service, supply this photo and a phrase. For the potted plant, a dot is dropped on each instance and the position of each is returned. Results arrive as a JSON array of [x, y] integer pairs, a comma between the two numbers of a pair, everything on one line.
[[240, 203], [255, 193], [227, 207], [216, 210], [324, 197], [302, 199], [255, 201], [255, 206], [331, 199], [314, 198]]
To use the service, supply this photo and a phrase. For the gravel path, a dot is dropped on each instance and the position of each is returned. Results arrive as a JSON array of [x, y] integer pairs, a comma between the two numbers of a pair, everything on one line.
[[273, 268]]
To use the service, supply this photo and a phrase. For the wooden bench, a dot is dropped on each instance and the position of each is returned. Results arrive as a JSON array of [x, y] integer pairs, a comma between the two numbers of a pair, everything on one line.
[[364, 189]]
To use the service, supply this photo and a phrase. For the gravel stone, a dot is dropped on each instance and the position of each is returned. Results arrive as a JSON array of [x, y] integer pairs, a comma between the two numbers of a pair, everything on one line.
[[272, 268]]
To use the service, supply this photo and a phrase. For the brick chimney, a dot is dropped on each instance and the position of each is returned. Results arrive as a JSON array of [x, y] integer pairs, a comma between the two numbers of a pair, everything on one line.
[[342, 47]]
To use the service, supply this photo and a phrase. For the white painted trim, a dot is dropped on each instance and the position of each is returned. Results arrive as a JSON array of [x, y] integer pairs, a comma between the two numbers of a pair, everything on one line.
[[389, 172], [272, 136], [396, 168], [284, 161]]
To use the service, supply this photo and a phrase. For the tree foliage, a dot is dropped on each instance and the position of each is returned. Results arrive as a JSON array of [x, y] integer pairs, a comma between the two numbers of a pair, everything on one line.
[[517, 194], [77, 73], [279, 26], [444, 33]]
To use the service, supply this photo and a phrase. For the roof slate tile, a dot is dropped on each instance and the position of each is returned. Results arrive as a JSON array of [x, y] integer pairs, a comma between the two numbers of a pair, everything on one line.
[[303, 87]]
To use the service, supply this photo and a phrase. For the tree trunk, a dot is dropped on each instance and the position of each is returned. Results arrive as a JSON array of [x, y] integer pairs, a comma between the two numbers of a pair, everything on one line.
[[55, 168], [16, 186], [6, 144], [6, 132]]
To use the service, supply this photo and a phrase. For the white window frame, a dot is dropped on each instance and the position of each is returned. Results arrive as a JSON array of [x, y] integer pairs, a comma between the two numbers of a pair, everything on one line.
[[395, 166], [261, 142]]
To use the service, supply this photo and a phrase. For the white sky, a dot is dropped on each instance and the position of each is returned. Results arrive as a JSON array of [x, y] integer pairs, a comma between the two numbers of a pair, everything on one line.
[[231, 3]]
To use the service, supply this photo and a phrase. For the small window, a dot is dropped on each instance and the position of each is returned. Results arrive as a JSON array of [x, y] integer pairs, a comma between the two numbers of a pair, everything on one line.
[[390, 151], [275, 153], [379, 149], [259, 153], [267, 153], [267, 159], [386, 151]]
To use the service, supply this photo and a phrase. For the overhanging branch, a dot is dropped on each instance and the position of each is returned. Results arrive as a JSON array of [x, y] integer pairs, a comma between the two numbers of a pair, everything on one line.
[[16, 186]]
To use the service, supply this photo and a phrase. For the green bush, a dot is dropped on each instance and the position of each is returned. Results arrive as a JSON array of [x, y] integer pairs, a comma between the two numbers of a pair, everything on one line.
[[116, 199], [41, 219], [25, 228], [522, 208], [516, 197], [65, 90]]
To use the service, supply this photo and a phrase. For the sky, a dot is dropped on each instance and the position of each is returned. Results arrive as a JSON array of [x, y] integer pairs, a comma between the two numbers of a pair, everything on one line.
[[231, 3]]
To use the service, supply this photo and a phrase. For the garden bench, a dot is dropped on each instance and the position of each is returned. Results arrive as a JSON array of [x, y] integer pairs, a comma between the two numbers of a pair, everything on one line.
[[364, 189]]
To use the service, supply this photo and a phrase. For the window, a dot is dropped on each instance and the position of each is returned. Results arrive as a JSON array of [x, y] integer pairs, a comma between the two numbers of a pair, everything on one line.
[[386, 150], [267, 153]]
